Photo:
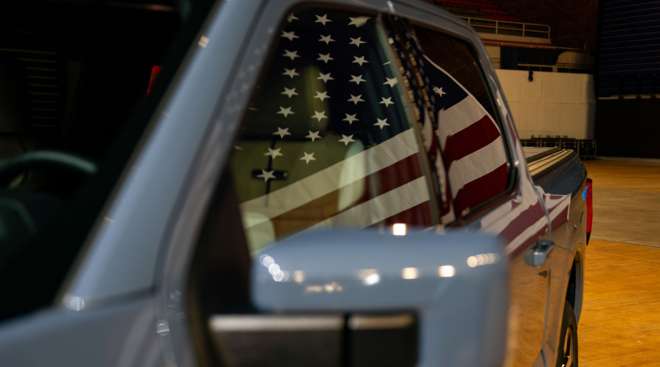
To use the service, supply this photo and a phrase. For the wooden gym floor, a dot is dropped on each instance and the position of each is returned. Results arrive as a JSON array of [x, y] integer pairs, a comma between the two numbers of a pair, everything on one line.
[[620, 322]]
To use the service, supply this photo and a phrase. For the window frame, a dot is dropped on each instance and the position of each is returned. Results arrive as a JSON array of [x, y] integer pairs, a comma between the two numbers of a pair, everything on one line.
[[501, 119]]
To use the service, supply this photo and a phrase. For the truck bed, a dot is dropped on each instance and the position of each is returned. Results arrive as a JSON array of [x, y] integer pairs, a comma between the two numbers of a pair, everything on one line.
[[556, 170]]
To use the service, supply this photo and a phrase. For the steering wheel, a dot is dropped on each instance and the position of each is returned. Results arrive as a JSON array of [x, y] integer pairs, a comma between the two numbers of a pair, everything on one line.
[[24, 212], [47, 160]]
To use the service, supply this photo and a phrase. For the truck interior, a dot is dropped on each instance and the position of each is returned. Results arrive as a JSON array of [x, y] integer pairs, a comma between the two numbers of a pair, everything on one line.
[[78, 82]]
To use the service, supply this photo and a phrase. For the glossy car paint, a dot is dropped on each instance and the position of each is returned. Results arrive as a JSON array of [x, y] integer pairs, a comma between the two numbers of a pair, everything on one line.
[[134, 267]]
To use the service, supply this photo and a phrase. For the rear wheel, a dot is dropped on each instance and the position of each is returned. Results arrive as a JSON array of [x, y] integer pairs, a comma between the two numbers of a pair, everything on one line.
[[567, 352]]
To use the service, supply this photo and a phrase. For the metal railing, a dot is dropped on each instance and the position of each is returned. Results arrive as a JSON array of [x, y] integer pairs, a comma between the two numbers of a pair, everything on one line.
[[508, 28]]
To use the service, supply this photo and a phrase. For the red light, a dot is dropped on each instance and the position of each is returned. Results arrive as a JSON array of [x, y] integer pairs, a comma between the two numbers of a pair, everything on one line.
[[155, 70]]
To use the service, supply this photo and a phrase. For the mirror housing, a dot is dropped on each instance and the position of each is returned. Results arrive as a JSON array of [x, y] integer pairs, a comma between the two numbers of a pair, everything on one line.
[[456, 283]]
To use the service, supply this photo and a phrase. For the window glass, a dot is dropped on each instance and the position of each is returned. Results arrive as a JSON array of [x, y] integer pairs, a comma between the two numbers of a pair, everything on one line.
[[472, 163], [327, 140]]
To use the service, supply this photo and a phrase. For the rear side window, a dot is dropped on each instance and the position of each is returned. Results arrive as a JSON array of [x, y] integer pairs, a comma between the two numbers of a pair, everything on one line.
[[472, 160], [327, 140]]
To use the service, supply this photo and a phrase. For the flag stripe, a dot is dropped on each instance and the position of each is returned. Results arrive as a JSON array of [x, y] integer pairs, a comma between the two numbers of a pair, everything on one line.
[[458, 117], [329, 179], [482, 189], [345, 197], [476, 165], [381, 207], [470, 139]]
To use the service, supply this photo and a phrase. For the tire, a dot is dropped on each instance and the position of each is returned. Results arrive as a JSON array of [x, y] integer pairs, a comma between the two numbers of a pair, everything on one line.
[[567, 350]]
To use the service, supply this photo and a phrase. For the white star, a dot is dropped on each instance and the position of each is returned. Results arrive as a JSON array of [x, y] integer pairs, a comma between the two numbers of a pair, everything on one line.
[[350, 118], [356, 41], [291, 73], [325, 57], [346, 139], [439, 91], [322, 95], [325, 77], [359, 60], [291, 18], [323, 19], [326, 39], [358, 21], [313, 135], [282, 132], [387, 101], [381, 123], [390, 81], [356, 99], [266, 175], [289, 92], [307, 157], [319, 115], [285, 111], [289, 35], [291, 54], [357, 79], [274, 153]]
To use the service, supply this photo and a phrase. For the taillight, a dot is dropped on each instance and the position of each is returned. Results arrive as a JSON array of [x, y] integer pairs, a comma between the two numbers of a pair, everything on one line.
[[587, 196]]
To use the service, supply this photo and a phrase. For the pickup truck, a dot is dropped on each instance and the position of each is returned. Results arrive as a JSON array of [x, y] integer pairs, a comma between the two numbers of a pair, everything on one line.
[[327, 183]]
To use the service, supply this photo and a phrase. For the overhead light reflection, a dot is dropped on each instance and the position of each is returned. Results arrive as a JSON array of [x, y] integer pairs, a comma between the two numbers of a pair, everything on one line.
[[298, 276], [399, 229], [409, 273], [446, 271], [369, 276], [481, 260]]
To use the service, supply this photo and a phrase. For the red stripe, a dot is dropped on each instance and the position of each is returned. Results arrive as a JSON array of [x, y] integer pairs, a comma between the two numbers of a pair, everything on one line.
[[417, 216], [525, 245], [324, 207], [470, 139], [481, 189], [523, 221]]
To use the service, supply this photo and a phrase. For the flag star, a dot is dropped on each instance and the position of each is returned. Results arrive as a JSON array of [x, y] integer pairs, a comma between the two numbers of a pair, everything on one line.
[[266, 175], [346, 139], [439, 91], [289, 35], [291, 18], [356, 99], [357, 79], [387, 101], [291, 73], [358, 21], [325, 77], [356, 41], [313, 135], [390, 81], [274, 153], [381, 123], [323, 19], [307, 157], [326, 39], [285, 111], [289, 92], [359, 60], [319, 115], [322, 95], [325, 58], [350, 118], [282, 132], [291, 54]]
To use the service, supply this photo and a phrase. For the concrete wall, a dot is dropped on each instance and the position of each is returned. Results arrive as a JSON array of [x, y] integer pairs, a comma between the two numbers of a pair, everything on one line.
[[551, 104]]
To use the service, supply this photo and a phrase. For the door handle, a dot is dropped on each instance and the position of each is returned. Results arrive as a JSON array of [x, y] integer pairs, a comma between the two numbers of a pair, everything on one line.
[[537, 255]]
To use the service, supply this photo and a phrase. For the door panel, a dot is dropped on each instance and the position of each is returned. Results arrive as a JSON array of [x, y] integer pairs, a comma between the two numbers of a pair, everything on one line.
[[522, 222]]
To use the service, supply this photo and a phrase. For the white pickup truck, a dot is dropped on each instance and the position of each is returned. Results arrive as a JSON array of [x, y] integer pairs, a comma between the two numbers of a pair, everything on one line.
[[313, 183]]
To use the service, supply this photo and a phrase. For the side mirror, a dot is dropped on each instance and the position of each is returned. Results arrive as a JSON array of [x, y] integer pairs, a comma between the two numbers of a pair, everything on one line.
[[456, 285]]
